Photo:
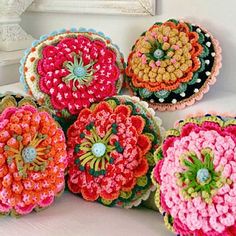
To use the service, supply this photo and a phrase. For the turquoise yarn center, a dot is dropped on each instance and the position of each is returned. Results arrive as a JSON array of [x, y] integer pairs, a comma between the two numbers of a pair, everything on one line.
[[203, 175], [158, 53], [98, 149], [79, 71], [29, 154]]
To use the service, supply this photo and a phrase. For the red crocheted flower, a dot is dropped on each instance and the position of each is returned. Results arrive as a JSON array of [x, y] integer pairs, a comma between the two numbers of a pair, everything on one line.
[[108, 151], [71, 70], [32, 160]]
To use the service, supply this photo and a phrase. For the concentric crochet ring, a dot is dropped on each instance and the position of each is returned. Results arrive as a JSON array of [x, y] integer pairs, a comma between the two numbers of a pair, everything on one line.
[[110, 148], [172, 64], [33, 157], [195, 176], [69, 70]]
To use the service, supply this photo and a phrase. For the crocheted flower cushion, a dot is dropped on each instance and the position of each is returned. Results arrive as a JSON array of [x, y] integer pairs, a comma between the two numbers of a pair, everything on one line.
[[110, 148], [172, 64], [196, 177], [33, 157], [69, 70]]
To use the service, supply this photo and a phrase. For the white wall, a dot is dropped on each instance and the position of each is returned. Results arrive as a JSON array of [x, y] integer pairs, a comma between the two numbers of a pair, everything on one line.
[[215, 15]]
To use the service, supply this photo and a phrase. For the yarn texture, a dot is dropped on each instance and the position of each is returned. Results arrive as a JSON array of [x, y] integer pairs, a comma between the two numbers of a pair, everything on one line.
[[110, 149], [195, 177]]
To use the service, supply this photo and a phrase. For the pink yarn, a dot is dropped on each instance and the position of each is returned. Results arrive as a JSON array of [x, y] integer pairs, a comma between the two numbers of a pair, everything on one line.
[[158, 63], [165, 38], [196, 215], [144, 59]]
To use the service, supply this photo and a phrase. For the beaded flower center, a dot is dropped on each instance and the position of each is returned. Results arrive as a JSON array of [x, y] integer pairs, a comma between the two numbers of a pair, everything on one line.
[[158, 54], [96, 150], [79, 73], [29, 157], [29, 154], [200, 178], [203, 176]]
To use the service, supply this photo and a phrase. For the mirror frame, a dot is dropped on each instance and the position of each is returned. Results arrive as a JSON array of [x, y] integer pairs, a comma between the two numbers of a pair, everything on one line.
[[117, 7]]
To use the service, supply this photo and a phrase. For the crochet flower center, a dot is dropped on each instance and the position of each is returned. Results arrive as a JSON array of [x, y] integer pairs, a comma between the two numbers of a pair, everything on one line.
[[200, 178], [29, 157], [79, 71], [203, 176], [96, 150], [29, 154], [83, 74], [158, 54]]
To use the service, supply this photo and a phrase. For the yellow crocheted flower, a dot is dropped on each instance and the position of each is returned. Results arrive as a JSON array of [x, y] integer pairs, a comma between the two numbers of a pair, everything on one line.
[[164, 57]]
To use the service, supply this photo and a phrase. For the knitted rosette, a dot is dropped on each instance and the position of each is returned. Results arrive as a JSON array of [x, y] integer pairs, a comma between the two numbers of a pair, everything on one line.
[[172, 64], [110, 148], [195, 176], [69, 70], [33, 157]]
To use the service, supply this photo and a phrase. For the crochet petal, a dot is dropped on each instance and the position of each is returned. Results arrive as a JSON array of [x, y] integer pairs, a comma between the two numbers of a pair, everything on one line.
[[89, 194], [46, 202], [138, 122], [102, 106], [109, 196], [129, 185], [123, 109], [24, 210], [142, 168], [144, 143]]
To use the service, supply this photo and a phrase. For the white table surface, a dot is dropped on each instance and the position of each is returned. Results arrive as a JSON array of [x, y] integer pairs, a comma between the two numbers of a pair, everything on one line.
[[70, 215]]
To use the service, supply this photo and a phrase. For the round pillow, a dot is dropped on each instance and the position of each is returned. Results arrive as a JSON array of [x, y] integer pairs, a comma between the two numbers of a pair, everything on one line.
[[69, 70], [33, 156], [110, 148], [172, 64], [195, 176]]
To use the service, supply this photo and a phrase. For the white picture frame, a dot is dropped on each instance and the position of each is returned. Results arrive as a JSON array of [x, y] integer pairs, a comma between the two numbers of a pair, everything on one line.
[[126, 7]]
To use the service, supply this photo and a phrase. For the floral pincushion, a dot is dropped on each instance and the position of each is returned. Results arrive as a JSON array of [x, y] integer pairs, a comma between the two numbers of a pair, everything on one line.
[[172, 64], [110, 148], [195, 176], [33, 157], [69, 70]]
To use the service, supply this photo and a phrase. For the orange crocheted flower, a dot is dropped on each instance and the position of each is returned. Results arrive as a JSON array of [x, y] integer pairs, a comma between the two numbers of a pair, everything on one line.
[[164, 57], [32, 160]]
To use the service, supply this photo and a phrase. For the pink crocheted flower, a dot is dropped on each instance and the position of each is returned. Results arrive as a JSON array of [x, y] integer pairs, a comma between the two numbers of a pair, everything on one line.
[[110, 149], [32, 160], [196, 177], [73, 70]]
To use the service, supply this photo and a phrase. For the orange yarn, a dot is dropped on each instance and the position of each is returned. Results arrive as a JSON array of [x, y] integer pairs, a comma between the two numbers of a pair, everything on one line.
[[196, 50]]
